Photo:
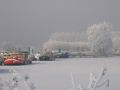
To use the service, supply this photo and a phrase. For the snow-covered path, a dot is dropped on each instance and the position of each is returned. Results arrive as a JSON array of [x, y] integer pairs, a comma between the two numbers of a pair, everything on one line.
[[55, 75]]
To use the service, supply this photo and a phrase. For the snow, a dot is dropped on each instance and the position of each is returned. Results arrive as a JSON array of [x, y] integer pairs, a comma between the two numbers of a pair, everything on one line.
[[56, 75]]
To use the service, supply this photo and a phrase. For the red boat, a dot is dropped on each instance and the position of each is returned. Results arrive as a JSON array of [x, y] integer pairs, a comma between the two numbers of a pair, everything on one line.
[[17, 59], [12, 62]]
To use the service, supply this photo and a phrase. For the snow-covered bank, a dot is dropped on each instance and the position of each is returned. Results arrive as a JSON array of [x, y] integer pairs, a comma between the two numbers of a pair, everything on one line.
[[55, 75]]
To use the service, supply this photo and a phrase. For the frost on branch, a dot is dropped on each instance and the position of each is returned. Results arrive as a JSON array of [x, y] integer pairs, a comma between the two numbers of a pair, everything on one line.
[[18, 82], [94, 81], [100, 39], [68, 41]]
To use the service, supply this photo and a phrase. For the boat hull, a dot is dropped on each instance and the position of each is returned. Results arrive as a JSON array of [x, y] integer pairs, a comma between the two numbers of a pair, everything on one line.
[[13, 62]]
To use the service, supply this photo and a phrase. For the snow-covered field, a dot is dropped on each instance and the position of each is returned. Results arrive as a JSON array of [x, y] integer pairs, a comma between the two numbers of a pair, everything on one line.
[[55, 75]]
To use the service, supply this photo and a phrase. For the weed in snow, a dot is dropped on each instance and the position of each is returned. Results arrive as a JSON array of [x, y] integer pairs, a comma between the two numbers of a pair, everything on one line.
[[94, 82], [17, 82]]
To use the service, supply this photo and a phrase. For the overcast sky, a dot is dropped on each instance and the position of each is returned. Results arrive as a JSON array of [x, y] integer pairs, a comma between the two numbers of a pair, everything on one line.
[[31, 22]]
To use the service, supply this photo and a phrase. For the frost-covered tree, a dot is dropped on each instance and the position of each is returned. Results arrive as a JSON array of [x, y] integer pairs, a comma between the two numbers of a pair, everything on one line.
[[116, 45], [68, 41], [116, 42], [68, 36], [100, 39], [67, 46]]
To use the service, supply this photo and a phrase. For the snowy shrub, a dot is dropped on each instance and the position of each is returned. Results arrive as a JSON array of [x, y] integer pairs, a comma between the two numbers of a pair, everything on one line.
[[17, 82], [100, 39], [94, 81]]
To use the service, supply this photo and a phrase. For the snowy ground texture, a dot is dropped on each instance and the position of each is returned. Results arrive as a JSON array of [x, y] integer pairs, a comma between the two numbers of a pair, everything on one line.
[[56, 75]]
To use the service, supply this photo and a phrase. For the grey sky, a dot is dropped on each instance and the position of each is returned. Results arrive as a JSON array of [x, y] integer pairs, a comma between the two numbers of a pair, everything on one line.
[[32, 21]]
